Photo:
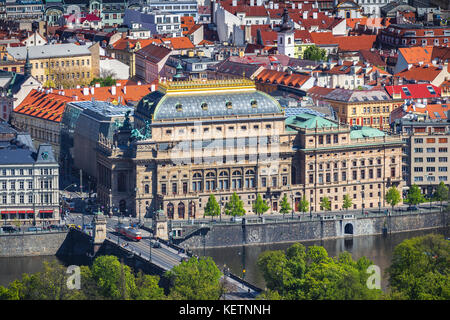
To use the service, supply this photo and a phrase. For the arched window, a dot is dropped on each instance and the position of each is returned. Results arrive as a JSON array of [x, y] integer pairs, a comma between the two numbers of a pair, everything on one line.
[[170, 210], [204, 106], [250, 179], [254, 103], [229, 104], [181, 210], [223, 174], [197, 182], [179, 107], [289, 40], [236, 182], [210, 183], [191, 209]]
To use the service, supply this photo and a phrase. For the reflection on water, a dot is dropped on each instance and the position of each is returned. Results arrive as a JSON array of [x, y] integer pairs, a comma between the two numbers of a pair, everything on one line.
[[377, 248], [12, 268]]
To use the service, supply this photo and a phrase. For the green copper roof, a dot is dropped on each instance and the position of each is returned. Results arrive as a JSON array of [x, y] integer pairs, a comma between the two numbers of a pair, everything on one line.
[[365, 132], [309, 121]]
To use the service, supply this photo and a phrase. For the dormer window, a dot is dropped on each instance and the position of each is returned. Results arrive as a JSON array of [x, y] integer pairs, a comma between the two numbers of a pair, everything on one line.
[[229, 105], [179, 107], [254, 103], [204, 106]]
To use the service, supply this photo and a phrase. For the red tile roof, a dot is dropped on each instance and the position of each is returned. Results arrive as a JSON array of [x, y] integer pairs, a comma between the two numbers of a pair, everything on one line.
[[178, 43], [345, 43], [431, 109], [124, 94], [417, 54], [417, 91], [42, 105], [280, 77], [420, 73], [121, 44]]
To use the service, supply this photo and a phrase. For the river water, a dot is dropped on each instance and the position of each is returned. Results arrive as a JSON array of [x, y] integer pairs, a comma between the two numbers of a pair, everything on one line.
[[377, 248]]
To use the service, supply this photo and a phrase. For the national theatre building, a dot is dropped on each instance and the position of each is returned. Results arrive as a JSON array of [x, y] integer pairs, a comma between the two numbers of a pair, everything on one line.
[[192, 139]]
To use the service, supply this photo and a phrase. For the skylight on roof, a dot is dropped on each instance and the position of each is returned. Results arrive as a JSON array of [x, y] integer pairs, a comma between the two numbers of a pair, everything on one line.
[[406, 91], [437, 114], [430, 88]]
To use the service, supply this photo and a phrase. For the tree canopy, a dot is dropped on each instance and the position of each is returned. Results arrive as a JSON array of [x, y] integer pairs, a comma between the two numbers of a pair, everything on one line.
[[415, 195], [285, 206], [212, 207], [106, 279], [393, 196], [420, 269], [315, 53], [195, 279], [301, 273], [325, 204], [347, 202], [235, 207]]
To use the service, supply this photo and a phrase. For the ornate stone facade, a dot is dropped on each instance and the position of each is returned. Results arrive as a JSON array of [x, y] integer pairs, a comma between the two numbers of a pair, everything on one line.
[[221, 137]]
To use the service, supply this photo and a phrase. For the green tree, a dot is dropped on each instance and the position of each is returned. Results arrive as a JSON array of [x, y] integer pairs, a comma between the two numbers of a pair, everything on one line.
[[148, 288], [104, 82], [260, 206], [304, 205], [235, 207], [114, 279], [441, 193], [347, 202], [420, 269], [301, 273], [195, 279], [415, 195], [325, 204], [315, 53], [393, 197], [284, 206], [212, 207]]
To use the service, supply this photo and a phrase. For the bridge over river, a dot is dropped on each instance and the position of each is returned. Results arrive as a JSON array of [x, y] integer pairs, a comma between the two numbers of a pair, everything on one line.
[[161, 254]]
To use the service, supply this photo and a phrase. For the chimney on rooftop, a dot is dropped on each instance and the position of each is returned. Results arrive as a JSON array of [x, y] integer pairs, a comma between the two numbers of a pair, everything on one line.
[[97, 85], [124, 89], [234, 3], [314, 15], [152, 88], [252, 3], [92, 90], [305, 14], [300, 5], [113, 90], [139, 83], [86, 91]]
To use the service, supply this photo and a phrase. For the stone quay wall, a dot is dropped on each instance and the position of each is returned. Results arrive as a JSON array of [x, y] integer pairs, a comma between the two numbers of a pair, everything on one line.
[[31, 244], [224, 235]]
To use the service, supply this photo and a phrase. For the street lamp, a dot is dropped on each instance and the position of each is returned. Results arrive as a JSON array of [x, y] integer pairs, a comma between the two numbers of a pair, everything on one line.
[[292, 203], [139, 213], [110, 203], [362, 202], [431, 187]]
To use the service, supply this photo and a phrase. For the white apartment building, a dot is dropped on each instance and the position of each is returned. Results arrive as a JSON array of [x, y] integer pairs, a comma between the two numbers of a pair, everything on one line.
[[29, 182]]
